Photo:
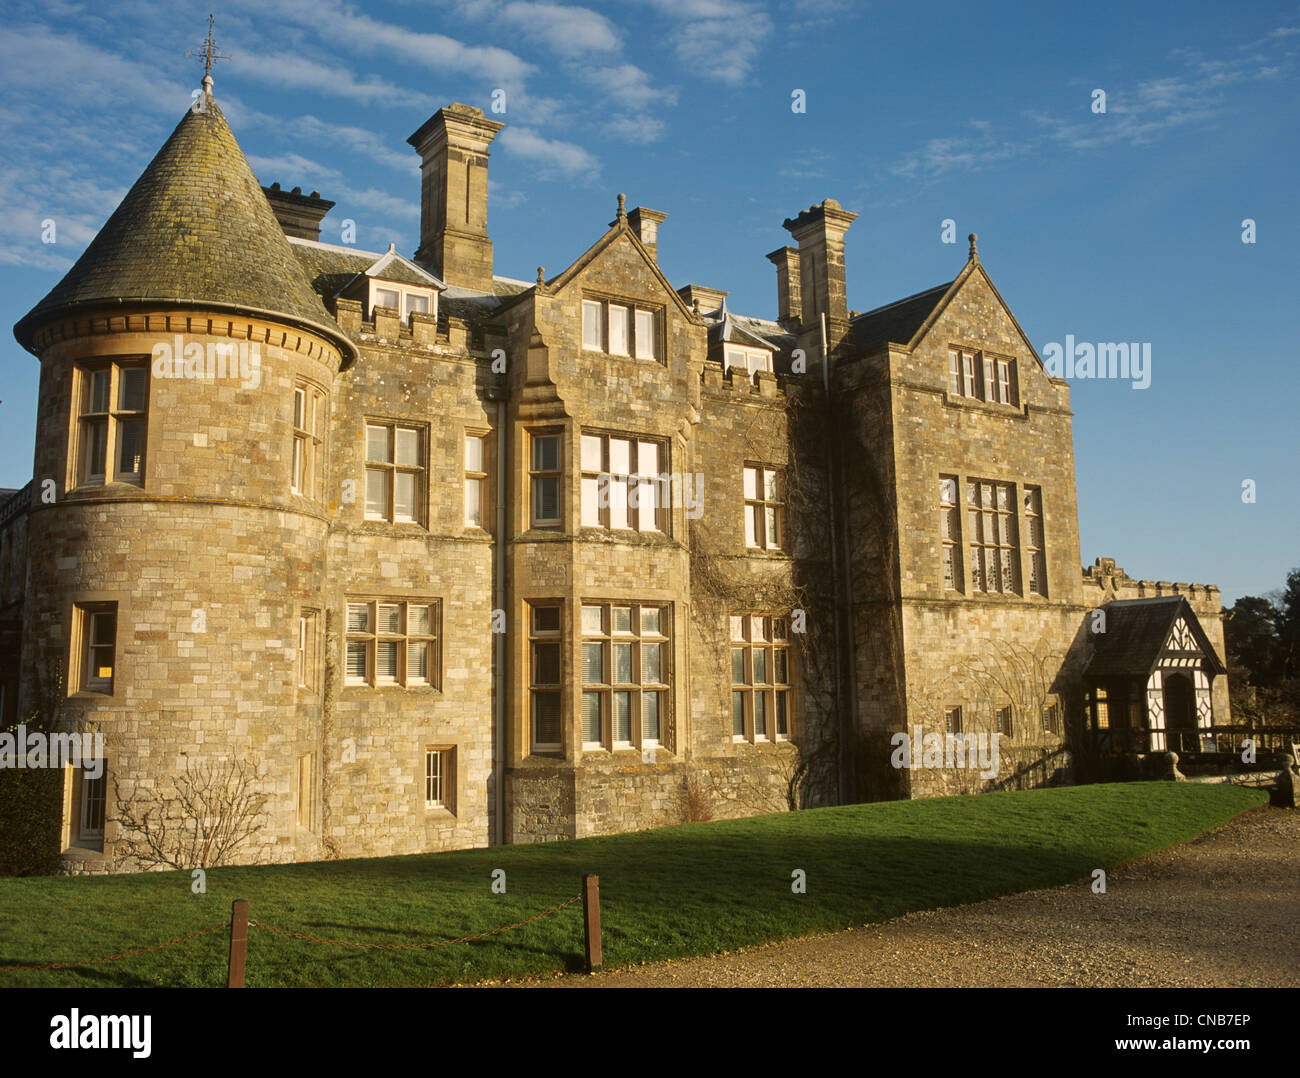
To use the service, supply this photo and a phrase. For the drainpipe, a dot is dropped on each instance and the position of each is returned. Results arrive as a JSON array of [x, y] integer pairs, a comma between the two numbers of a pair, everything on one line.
[[498, 603]]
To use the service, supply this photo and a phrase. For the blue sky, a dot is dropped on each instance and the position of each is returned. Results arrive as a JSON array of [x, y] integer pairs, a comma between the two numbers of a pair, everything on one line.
[[1122, 226]]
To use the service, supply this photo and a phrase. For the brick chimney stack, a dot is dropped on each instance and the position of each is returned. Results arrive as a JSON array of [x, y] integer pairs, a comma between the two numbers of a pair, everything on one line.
[[819, 231], [453, 148], [789, 291]]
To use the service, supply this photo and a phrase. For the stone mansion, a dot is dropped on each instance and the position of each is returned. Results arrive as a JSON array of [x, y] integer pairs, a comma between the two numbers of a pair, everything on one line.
[[450, 559]]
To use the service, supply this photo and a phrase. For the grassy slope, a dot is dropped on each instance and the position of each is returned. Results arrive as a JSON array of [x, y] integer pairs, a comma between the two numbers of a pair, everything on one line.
[[692, 889]]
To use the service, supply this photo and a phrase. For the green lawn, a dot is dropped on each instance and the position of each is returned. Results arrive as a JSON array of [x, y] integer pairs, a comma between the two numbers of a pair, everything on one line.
[[693, 889]]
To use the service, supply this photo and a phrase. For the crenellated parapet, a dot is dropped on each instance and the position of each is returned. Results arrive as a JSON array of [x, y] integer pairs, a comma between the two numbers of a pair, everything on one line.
[[1104, 581]]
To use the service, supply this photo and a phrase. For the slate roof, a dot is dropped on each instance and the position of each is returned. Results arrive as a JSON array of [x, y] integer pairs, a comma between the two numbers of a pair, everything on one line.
[[195, 228], [329, 268], [1136, 631], [724, 326], [895, 322], [734, 329]]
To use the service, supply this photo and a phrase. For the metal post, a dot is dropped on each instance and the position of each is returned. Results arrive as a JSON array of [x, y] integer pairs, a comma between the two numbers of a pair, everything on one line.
[[591, 920], [238, 943]]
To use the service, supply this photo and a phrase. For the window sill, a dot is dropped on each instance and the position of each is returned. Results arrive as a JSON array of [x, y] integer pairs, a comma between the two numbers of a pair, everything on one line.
[[79, 852], [403, 524], [393, 687], [91, 694], [123, 485], [991, 407], [439, 812], [620, 355]]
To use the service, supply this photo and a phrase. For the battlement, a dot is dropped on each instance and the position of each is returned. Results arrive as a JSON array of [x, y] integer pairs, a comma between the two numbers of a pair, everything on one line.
[[1106, 576]]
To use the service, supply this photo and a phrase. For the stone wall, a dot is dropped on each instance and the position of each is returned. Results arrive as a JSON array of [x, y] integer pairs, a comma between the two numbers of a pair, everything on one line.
[[961, 645]]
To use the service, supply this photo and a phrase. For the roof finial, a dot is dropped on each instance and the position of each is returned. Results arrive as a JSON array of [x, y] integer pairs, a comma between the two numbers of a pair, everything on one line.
[[622, 202], [974, 253], [541, 276], [210, 56]]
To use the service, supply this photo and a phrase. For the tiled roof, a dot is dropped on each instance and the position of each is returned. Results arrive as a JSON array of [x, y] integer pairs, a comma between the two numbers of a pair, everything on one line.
[[896, 322], [1136, 630], [196, 227]]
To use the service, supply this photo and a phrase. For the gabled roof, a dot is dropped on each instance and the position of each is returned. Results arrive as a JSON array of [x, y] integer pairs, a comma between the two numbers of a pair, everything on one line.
[[195, 229], [732, 329], [331, 268], [391, 266], [1135, 636], [618, 227], [895, 323], [906, 321]]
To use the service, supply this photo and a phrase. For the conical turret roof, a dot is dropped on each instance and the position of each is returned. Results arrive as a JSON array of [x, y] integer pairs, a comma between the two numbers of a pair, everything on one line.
[[195, 229]]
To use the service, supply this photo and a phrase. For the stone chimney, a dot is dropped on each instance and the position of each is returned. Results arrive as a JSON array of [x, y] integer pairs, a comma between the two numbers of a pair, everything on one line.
[[819, 231], [453, 148], [299, 215], [709, 299], [789, 293], [645, 223]]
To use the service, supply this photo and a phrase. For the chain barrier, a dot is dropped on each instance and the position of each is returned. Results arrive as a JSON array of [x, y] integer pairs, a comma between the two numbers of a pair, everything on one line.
[[297, 935], [115, 957], [415, 946]]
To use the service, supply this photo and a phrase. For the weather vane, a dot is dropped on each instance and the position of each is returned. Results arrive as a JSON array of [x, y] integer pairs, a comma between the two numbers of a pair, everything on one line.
[[208, 52]]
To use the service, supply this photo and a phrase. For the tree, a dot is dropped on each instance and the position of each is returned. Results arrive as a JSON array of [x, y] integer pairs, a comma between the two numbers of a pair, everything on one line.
[[1250, 630], [210, 812], [1288, 627], [1262, 640]]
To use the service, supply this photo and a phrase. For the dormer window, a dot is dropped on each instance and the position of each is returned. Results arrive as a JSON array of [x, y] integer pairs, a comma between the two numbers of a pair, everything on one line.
[[403, 299], [749, 360], [620, 329]]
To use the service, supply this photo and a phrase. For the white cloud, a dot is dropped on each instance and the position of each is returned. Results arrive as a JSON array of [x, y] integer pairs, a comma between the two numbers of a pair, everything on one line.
[[38, 59], [323, 75], [638, 129], [502, 198], [970, 153], [1135, 116], [719, 39], [567, 31], [294, 170], [554, 157], [338, 24], [629, 86]]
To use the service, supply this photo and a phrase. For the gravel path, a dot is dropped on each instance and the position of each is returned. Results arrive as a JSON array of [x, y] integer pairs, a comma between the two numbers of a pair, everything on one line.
[[1221, 910]]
